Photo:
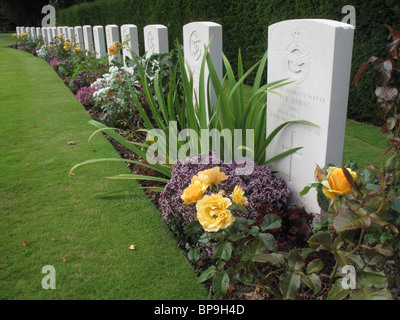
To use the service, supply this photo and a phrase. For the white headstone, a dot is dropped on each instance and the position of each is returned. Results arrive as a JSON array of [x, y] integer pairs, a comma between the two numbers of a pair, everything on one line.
[[197, 35], [99, 42], [39, 32], [22, 30], [88, 38], [18, 30], [49, 34], [316, 54], [53, 32], [155, 39], [44, 34], [59, 30], [65, 32], [129, 33], [33, 32], [79, 37], [71, 34], [111, 37], [28, 31]]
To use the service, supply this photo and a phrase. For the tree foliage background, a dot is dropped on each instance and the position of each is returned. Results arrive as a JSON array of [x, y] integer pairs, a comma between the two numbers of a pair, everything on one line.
[[245, 26]]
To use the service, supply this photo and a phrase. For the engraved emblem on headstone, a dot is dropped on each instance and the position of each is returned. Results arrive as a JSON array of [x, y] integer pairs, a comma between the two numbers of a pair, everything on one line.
[[195, 48], [297, 62], [150, 42]]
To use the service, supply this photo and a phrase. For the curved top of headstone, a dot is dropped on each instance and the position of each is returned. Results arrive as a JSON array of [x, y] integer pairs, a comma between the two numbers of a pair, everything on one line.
[[327, 22], [205, 23], [156, 25]]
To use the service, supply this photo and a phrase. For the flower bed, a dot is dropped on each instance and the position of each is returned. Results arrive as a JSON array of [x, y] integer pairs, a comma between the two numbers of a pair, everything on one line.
[[240, 232]]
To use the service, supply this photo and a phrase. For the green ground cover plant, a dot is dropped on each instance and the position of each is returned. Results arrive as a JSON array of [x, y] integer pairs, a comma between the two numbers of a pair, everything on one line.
[[83, 225]]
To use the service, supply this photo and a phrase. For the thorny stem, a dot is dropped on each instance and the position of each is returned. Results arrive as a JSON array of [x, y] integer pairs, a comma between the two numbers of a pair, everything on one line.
[[359, 243], [333, 274], [269, 289]]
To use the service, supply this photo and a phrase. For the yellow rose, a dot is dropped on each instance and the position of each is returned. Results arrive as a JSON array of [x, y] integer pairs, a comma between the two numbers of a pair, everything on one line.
[[337, 182], [113, 49], [194, 192], [77, 49], [60, 36], [213, 214], [66, 45], [210, 176], [238, 196]]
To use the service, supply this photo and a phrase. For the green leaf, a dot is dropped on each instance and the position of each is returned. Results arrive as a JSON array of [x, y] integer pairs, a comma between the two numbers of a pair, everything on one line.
[[193, 254], [289, 284], [220, 284], [371, 278], [337, 292], [193, 227], [368, 293], [254, 231], [271, 221], [321, 241], [244, 278], [308, 188], [223, 250], [341, 258], [275, 259], [268, 240], [313, 282], [207, 274], [295, 260], [137, 177], [315, 266]]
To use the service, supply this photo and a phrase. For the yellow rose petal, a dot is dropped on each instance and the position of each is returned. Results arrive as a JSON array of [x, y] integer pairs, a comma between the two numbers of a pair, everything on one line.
[[213, 214], [238, 196]]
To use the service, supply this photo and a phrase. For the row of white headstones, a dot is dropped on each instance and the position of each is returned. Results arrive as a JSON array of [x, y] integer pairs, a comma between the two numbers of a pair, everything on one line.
[[314, 53]]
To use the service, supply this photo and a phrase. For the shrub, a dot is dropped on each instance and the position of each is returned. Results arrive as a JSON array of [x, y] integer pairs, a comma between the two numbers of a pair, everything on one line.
[[85, 96], [260, 187], [83, 79]]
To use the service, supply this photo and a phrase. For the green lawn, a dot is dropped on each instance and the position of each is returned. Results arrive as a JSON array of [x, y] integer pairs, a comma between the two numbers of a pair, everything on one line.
[[364, 144], [66, 217]]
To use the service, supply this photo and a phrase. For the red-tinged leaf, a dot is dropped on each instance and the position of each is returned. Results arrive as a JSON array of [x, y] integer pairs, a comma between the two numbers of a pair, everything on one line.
[[370, 166], [362, 69], [386, 94], [350, 180], [382, 248], [319, 175], [383, 70], [346, 219], [391, 123], [384, 128], [387, 150], [393, 48], [376, 191], [395, 34], [395, 139]]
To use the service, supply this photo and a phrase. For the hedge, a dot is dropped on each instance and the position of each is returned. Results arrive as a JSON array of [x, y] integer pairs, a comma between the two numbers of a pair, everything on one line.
[[245, 26]]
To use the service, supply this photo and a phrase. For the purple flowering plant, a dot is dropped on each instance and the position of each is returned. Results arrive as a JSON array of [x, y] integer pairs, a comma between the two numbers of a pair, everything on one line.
[[260, 187], [85, 96]]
